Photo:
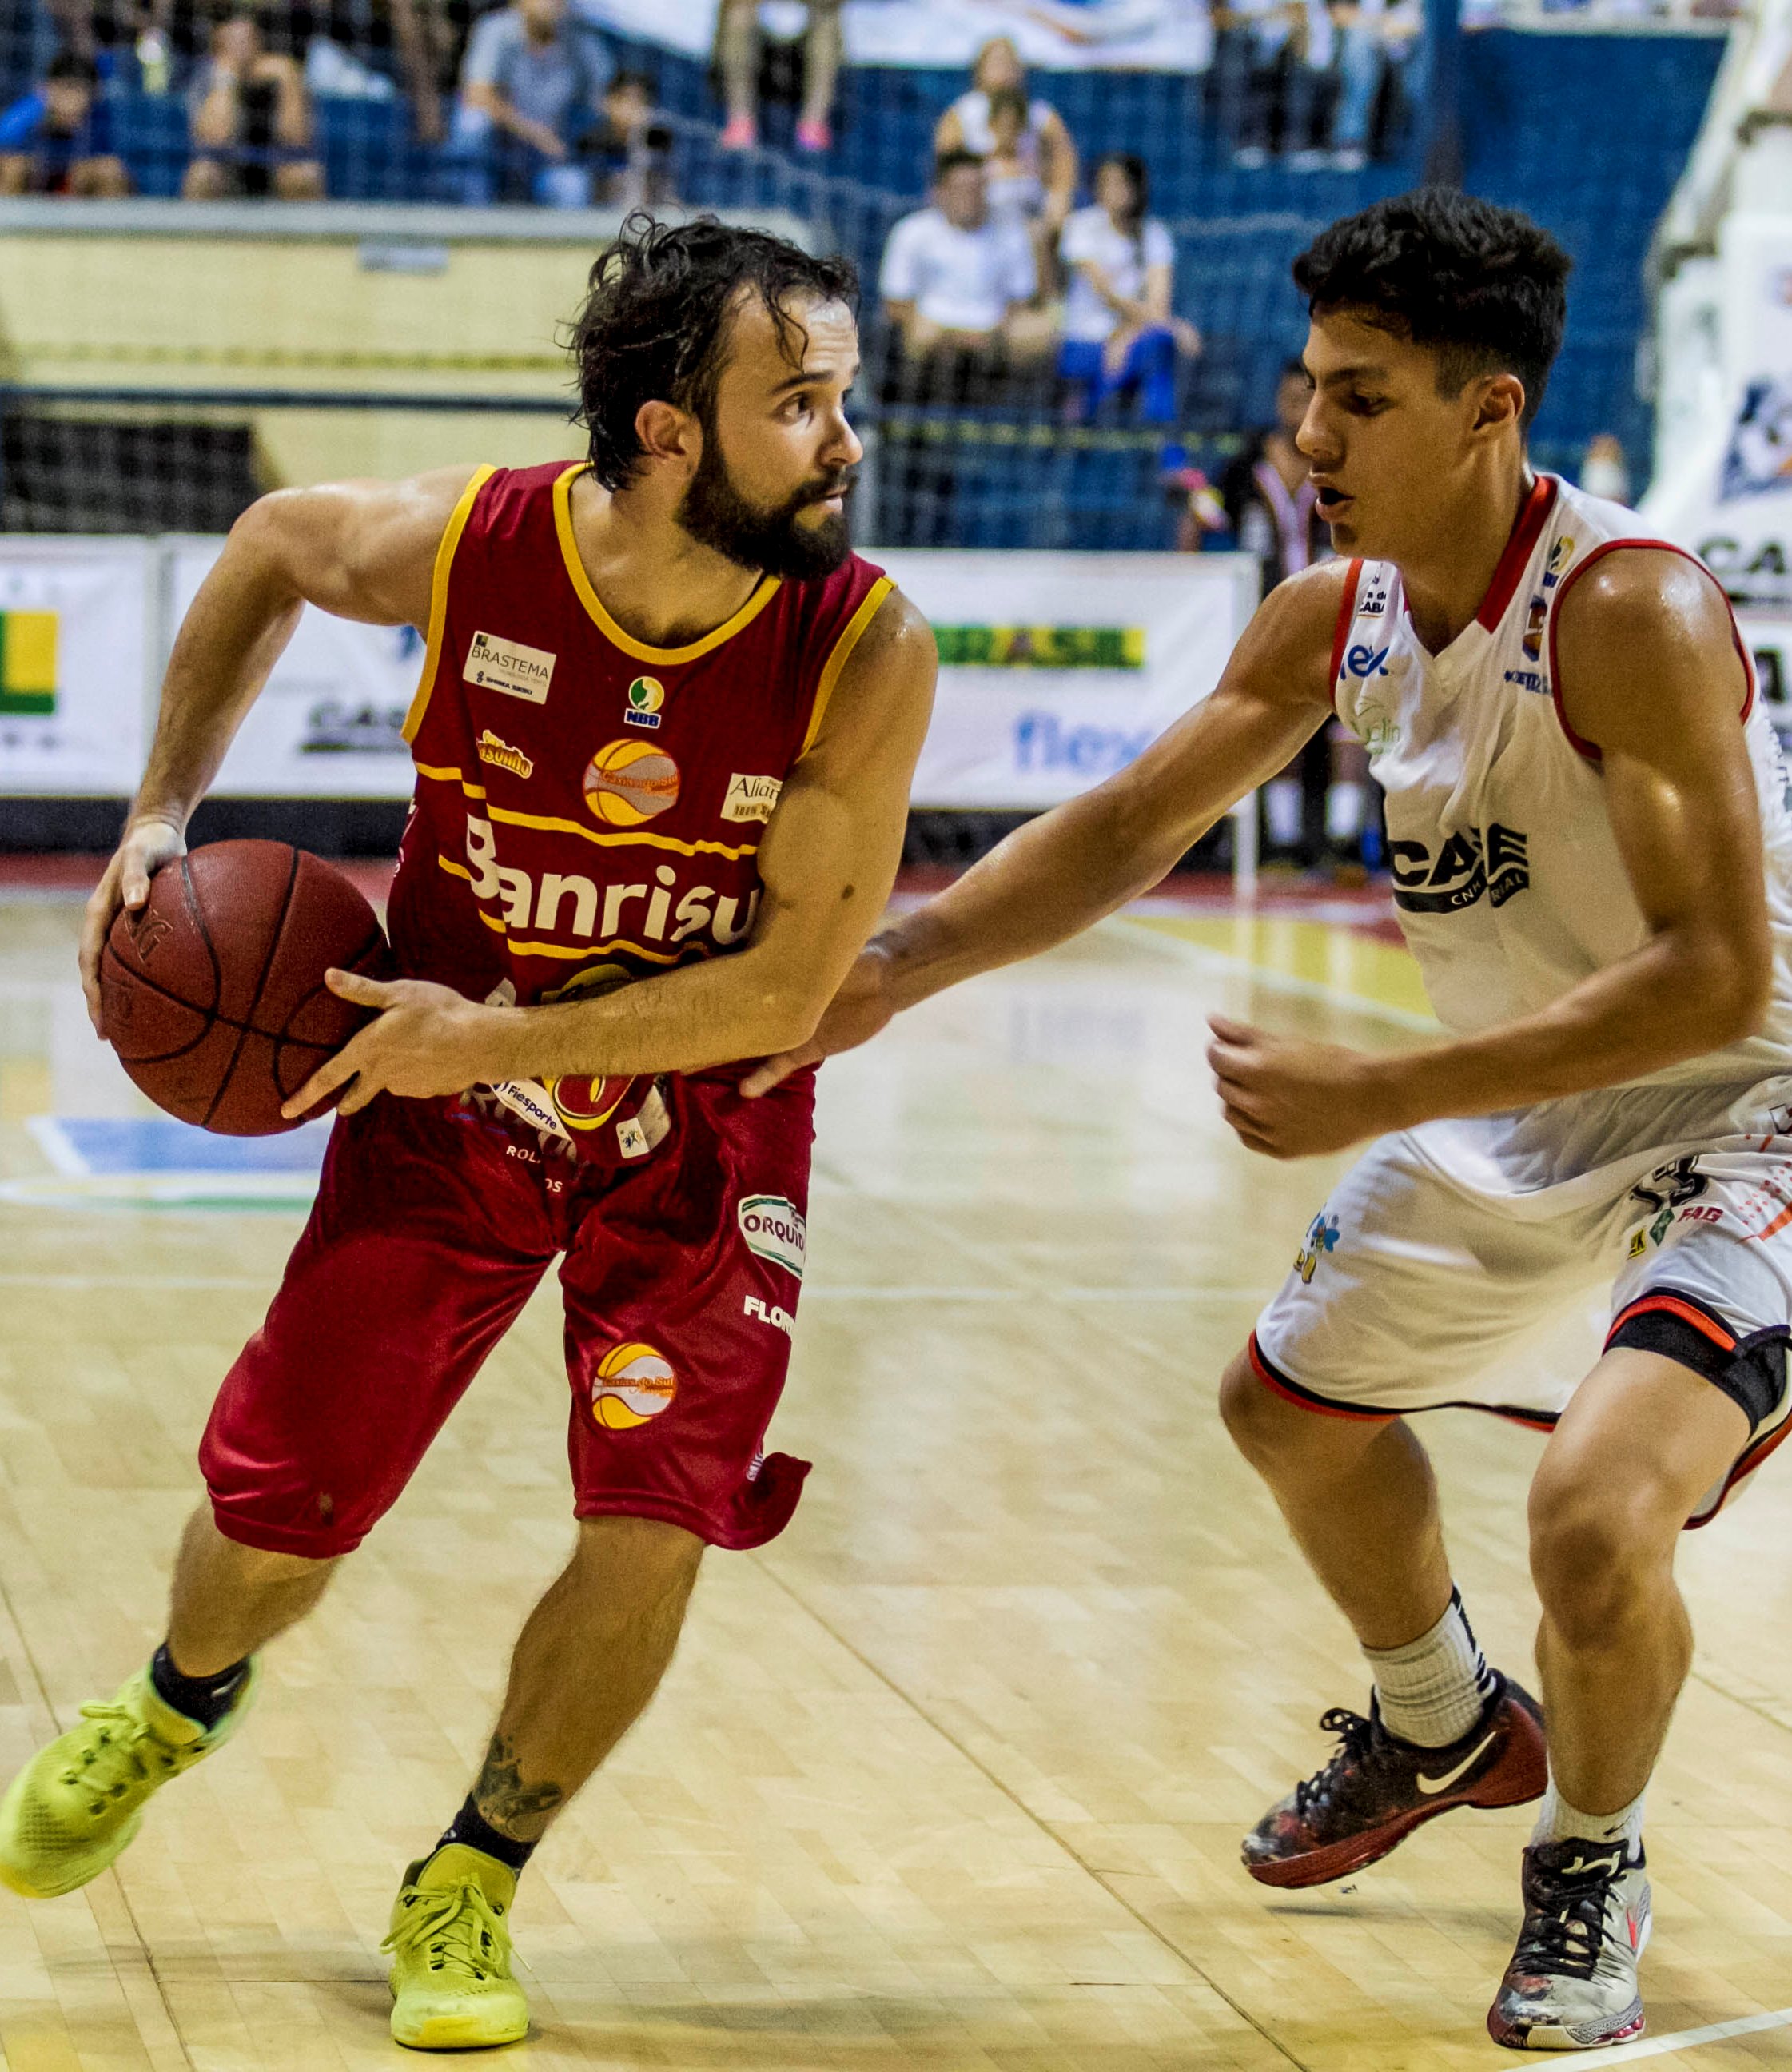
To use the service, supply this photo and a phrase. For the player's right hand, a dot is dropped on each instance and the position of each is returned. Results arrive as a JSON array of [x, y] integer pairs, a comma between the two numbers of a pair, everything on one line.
[[861, 1007], [148, 843]]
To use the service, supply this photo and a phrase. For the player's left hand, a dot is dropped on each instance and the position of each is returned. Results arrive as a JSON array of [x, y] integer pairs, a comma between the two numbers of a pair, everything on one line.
[[428, 1039], [1289, 1099]]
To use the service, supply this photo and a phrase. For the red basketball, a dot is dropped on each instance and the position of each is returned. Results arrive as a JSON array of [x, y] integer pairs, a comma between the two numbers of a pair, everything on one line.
[[213, 994]]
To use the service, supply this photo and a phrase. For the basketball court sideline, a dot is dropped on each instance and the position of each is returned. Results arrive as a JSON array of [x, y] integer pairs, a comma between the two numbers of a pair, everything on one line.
[[952, 1774]]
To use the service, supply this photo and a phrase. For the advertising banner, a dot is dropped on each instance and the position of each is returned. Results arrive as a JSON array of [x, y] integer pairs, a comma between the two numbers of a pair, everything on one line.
[[1731, 500], [329, 723], [75, 644], [1057, 669], [1063, 35]]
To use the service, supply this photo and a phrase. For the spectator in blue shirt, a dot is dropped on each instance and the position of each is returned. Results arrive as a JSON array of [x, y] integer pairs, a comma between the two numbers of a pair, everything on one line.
[[532, 82], [56, 139]]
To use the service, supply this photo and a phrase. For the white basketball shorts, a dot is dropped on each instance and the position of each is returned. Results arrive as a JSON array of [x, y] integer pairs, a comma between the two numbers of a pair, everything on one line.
[[1436, 1258]]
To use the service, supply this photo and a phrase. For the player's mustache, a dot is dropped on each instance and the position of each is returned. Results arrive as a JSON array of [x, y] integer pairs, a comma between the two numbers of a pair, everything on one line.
[[841, 484]]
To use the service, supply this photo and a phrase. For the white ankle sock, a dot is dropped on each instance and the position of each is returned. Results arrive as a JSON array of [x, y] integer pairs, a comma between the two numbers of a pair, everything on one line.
[[1432, 1691], [1557, 1821]]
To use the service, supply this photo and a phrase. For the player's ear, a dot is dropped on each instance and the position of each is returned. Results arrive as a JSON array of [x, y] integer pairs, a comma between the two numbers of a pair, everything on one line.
[[1501, 403], [668, 432]]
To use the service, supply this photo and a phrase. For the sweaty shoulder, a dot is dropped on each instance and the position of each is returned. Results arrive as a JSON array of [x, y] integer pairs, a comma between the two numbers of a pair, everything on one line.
[[365, 550], [1641, 633], [1285, 653], [894, 657]]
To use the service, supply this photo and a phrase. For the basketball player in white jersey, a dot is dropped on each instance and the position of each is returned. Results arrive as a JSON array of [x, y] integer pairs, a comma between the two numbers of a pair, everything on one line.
[[1592, 862]]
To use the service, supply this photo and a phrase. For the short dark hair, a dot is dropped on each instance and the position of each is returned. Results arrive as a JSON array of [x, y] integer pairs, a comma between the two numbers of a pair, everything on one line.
[[1485, 286], [71, 66], [619, 79], [948, 162], [655, 324]]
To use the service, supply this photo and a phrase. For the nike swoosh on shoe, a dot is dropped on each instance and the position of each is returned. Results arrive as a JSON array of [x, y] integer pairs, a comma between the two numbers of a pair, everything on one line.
[[1432, 1785]]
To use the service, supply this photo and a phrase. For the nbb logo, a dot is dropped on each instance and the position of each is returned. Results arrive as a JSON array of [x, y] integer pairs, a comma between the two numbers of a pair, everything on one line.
[[557, 902]]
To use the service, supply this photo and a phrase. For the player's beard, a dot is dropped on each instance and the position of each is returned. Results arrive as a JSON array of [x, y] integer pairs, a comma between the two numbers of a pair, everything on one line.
[[757, 536]]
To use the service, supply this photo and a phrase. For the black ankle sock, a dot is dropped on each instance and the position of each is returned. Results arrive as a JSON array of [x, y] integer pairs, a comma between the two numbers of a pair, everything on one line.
[[471, 1828], [205, 1699]]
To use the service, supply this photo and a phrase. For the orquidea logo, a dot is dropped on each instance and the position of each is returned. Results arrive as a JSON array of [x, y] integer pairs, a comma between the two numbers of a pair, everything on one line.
[[775, 1229], [1465, 867]]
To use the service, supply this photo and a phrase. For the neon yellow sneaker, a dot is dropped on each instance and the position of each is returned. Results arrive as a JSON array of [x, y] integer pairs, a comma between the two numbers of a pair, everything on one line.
[[451, 1987], [74, 1807]]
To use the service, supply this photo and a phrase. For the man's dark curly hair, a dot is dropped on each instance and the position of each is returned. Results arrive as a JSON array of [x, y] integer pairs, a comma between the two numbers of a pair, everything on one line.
[[1485, 286], [657, 322]]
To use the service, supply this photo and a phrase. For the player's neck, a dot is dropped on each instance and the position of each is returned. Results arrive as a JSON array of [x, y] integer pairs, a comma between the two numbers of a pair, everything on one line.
[[659, 584], [1444, 591]]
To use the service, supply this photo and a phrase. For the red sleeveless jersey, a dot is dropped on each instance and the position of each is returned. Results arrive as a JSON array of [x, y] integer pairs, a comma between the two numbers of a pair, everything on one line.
[[588, 808]]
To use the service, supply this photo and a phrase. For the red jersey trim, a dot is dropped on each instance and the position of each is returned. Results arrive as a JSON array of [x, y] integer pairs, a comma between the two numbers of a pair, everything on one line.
[[1606, 547], [669, 657], [870, 606], [1346, 614], [1525, 533], [439, 597]]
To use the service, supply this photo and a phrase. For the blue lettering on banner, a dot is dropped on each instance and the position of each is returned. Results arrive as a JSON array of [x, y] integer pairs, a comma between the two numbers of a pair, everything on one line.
[[1043, 742]]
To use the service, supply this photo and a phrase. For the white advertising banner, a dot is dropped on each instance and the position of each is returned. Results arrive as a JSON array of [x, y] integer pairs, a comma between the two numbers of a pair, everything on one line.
[[75, 645], [1056, 670], [1731, 499], [1063, 35], [329, 723]]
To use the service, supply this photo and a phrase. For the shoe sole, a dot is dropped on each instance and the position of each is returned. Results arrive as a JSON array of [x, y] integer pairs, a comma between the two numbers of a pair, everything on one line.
[[1513, 2035], [1359, 1851], [454, 2032]]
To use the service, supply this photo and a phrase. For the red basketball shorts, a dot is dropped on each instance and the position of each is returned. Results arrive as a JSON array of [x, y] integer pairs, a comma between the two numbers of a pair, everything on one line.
[[432, 1227]]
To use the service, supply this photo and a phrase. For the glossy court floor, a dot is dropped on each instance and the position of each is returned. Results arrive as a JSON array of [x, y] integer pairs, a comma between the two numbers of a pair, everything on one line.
[[952, 1775]]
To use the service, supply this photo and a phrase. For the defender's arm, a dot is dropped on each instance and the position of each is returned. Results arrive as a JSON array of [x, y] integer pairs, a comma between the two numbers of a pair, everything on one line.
[[827, 863], [1057, 875], [363, 550], [1649, 676]]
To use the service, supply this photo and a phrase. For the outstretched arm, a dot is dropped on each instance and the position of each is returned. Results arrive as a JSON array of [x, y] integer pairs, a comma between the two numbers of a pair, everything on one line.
[[827, 864], [1651, 677], [363, 550], [1057, 875]]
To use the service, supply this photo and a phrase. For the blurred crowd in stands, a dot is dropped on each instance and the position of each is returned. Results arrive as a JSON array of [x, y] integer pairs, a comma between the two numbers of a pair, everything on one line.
[[523, 99]]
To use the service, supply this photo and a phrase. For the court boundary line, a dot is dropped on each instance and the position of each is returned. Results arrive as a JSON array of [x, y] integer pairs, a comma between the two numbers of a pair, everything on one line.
[[1219, 962], [1033, 1819], [1684, 2039]]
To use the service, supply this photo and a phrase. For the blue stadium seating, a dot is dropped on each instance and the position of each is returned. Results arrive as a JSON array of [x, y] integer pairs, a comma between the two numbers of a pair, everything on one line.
[[1586, 132]]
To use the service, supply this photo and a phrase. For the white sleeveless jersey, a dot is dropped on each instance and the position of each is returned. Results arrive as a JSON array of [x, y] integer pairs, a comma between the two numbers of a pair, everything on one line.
[[1507, 878]]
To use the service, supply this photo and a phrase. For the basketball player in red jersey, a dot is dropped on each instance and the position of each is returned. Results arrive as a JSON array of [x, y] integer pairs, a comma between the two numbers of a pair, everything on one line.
[[664, 736]]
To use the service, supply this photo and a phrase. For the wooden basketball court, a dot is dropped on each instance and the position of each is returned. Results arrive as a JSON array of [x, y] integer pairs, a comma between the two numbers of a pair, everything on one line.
[[952, 1775]]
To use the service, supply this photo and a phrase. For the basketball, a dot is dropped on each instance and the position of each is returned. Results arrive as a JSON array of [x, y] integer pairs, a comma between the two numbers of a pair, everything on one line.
[[628, 782], [213, 995]]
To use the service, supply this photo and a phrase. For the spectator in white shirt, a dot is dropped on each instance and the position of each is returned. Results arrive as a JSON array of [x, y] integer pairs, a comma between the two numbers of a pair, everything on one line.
[[976, 121], [954, 279], [1119, 333]]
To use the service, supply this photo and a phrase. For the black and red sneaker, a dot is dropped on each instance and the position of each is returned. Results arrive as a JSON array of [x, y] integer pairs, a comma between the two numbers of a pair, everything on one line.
[[1376, 1790]]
